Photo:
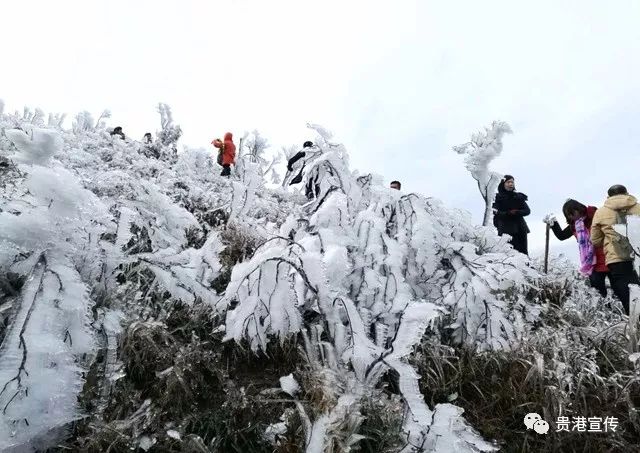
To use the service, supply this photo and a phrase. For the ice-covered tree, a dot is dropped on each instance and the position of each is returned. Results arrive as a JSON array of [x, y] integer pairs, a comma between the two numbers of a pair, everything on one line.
[[254, 149], [483, 148], [169, 133], [100, 124], [55, 120], [83, 122], [362, 272]]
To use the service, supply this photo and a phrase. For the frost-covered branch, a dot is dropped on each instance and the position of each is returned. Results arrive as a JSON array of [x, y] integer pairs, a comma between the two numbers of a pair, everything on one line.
[[483, 148]]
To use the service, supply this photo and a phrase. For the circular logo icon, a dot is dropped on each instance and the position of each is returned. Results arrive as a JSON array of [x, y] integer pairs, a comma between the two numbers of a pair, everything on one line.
[[531, 419], [541, 427]]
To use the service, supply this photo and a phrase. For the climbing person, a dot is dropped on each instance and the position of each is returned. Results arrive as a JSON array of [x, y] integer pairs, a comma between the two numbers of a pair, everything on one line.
[[389, 211], [509, 209], [226, 153], [299, 155], [312, 188], [117, 131], [149, 149], [618, 251], [592, 259]]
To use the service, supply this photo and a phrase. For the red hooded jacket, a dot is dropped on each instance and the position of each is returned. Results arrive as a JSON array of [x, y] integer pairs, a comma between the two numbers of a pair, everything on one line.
[[601, 265], [228, 149]]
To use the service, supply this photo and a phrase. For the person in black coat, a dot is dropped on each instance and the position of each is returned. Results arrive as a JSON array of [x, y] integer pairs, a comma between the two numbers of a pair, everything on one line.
[[312, 188], [509, 210], [117, 131]]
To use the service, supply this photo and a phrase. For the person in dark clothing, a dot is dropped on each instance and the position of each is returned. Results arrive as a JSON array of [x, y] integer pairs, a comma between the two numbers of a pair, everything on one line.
[[509, 210], [117, 131], [299, 155], [313, 186], [395, 185], [595, 266], [147, 138]]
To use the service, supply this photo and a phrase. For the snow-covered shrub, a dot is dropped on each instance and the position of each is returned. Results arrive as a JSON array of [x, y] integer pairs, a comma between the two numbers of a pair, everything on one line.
[[372, 270], [131, 268], [573, 364], [47, 221], [170, 133], [239, 244], [253, 149], [182, 387], [83, 122]]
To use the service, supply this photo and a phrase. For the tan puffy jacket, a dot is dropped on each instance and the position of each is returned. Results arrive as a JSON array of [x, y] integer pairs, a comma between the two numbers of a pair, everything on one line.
[[602, 232]]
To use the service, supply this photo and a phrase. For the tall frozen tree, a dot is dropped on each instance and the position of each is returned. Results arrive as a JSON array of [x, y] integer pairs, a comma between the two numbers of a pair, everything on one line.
[[483, 148]]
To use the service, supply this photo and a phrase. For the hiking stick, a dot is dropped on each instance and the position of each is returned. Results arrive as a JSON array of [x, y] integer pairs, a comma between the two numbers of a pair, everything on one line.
[[546, 249]]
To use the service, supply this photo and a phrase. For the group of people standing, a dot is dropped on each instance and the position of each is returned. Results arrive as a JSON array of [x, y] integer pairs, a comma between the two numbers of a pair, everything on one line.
[[118, 132], [604, 252]]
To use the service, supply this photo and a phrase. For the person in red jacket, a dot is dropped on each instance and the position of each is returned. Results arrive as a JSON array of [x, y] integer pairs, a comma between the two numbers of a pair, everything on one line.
[[579, 218], [227, 152]]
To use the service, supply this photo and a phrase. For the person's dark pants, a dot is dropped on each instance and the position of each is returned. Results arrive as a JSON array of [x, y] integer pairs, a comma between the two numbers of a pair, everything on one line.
[[313, 189], [519, 243], [597, 280], [623, 274], [226, 170]]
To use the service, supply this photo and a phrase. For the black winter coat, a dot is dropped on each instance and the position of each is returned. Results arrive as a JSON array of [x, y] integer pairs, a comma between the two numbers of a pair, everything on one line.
[[510, 209], [312, 188]]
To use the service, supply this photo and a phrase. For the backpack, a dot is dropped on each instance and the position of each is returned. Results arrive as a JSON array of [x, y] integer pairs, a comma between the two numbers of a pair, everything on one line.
[[620, 242], [220, 153]]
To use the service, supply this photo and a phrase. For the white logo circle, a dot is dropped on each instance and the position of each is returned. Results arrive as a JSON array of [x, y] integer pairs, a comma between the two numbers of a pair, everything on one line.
[[530, 419], [541, 427]]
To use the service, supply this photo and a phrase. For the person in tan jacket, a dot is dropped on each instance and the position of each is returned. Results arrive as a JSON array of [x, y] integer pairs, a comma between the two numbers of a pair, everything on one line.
[[618, 253]]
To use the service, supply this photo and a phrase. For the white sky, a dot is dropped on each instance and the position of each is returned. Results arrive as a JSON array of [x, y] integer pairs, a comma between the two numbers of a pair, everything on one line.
[[399, 82]]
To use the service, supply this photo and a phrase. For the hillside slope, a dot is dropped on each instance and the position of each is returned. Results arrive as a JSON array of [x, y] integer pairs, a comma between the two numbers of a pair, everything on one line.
[[147, 303]]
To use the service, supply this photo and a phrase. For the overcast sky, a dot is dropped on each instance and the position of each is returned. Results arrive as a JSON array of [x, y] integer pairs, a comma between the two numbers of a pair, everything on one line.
[[399, 82]]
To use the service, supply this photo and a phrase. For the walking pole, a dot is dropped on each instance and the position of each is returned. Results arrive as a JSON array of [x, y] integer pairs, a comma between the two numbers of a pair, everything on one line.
[[546, 250]]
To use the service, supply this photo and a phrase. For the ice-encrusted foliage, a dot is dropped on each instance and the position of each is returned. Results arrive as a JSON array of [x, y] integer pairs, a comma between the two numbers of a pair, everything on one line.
[[46, 219], [169, 133], [253, 149], [372, 270], [575, 361], [483, 148], [97, 226], [109, 234]]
